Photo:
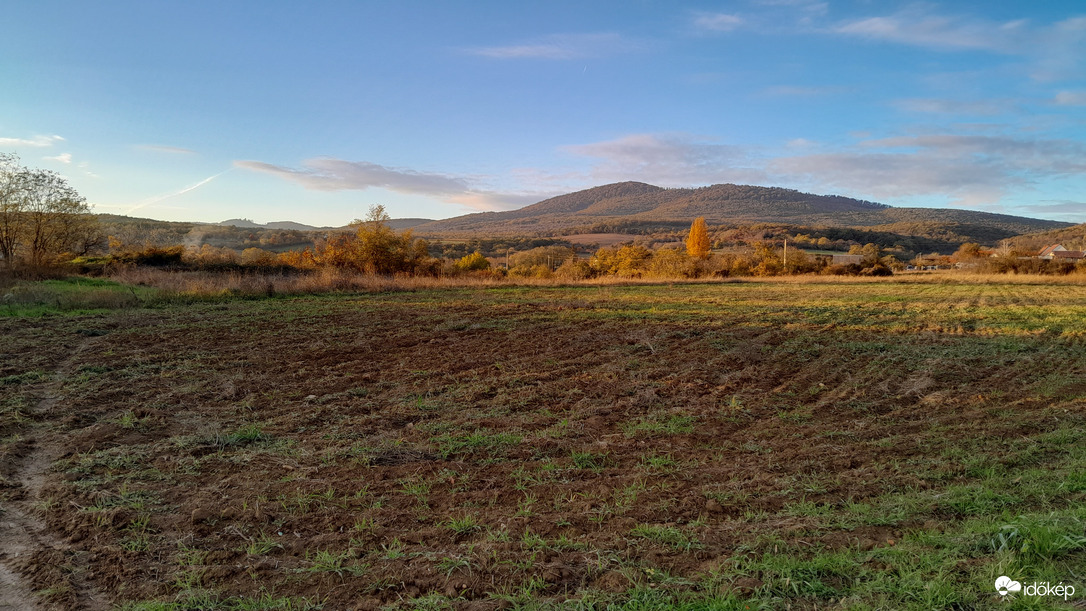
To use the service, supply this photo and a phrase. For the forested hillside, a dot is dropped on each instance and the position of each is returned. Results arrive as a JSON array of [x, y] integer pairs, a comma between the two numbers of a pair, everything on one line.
[[641, 208]]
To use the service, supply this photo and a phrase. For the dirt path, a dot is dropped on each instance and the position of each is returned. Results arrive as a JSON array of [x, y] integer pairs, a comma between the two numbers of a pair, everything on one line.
[[20, 536], [13, 594], [22, 532]]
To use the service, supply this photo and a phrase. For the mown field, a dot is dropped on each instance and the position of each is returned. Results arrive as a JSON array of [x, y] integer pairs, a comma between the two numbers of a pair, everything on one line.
[[762, 445]]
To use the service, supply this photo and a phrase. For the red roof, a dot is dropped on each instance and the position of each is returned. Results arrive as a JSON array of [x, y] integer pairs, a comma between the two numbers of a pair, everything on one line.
[[1068, 254]]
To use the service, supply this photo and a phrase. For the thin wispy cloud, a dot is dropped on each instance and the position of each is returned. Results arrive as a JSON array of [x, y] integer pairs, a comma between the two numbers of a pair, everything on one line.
[[32, 142], [560, 47], [162, 148], [967, 169], [801, 91], [1057, 48], [813, 6], [666, 159], [894, 175], [493, 201], [1071, 98], [1055, 51], [717, 22], [159, 198], [330, 174], [65, 158], [920, 28], [1064, 208], [942, 106], [1052, 157], [801, 14]]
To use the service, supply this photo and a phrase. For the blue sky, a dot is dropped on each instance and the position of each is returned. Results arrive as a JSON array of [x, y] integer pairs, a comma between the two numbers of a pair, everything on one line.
[[313, 111]]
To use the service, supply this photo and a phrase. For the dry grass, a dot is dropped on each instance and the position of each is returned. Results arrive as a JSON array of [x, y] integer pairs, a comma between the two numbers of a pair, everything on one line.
[[329, 280], [322, 281], [928, 277]]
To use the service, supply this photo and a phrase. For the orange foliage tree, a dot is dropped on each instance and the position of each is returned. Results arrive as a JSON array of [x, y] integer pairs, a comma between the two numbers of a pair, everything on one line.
[[697, 243]]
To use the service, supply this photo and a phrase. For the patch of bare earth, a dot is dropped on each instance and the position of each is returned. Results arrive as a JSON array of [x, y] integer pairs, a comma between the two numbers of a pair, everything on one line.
[[39, 571]]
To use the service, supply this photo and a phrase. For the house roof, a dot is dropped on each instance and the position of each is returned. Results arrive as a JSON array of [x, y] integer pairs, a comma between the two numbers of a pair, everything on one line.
[[1068, 254], [1049, 250]]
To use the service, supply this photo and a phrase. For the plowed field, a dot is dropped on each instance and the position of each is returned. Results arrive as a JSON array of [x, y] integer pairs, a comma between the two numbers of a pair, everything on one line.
[[741, 445]]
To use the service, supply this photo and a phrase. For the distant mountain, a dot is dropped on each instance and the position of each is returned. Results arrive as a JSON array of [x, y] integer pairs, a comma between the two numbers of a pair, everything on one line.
[[636, 205], [241, 223], [290, 225], [401, 224], [398, 224]]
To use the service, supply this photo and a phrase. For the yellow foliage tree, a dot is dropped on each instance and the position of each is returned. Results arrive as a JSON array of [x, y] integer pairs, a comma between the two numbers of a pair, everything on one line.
[[474, 261], [697, 243]]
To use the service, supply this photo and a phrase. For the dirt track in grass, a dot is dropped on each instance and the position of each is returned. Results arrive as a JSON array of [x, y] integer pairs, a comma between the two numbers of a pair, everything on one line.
[[494, 446]]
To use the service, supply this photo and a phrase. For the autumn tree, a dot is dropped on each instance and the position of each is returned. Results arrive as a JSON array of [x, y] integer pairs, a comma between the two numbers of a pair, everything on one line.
[[574, 269], [379, 249], [546, 257], [628, 261], [872, 253], [672, 263], [207, 254], [258, 257], [968, 251], [473, 262], [373, 248], [301, 259], [697, 243], [766, 260], [338, 251], [41, 216], [11, 207]]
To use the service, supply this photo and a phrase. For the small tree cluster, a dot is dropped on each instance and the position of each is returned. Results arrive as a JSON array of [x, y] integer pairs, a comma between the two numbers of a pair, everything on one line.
[[540, 262], [764, 259], [42, 218], [373, 248]]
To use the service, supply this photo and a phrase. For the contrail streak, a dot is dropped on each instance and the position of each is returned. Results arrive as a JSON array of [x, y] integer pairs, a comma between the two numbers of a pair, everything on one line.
[[158, 198]]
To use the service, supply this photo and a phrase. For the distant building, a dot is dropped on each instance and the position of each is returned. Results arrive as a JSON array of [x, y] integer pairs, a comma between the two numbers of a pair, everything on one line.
[[1048, 252], [848, 259], [1058, 253], [1068, 255]]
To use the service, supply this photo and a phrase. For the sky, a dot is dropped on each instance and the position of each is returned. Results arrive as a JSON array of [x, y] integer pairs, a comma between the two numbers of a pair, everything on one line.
[[314, 111]]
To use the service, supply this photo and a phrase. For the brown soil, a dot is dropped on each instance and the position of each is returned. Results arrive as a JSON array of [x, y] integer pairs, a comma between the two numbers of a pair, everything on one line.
[[366, 451], [38, 560]]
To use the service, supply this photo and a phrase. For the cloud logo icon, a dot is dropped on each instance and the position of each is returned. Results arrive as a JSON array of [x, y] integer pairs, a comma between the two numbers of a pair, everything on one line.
[[1005, 585]]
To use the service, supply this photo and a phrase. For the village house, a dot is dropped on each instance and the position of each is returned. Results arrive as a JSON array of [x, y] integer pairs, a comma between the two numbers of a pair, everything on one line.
[[1059, 253]]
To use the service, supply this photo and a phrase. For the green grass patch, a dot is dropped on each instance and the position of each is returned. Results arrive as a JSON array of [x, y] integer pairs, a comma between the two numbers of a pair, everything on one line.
[[479, 442]]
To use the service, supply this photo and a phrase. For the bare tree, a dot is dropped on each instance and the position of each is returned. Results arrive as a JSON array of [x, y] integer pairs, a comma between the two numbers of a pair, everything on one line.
[[1006, 248]]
